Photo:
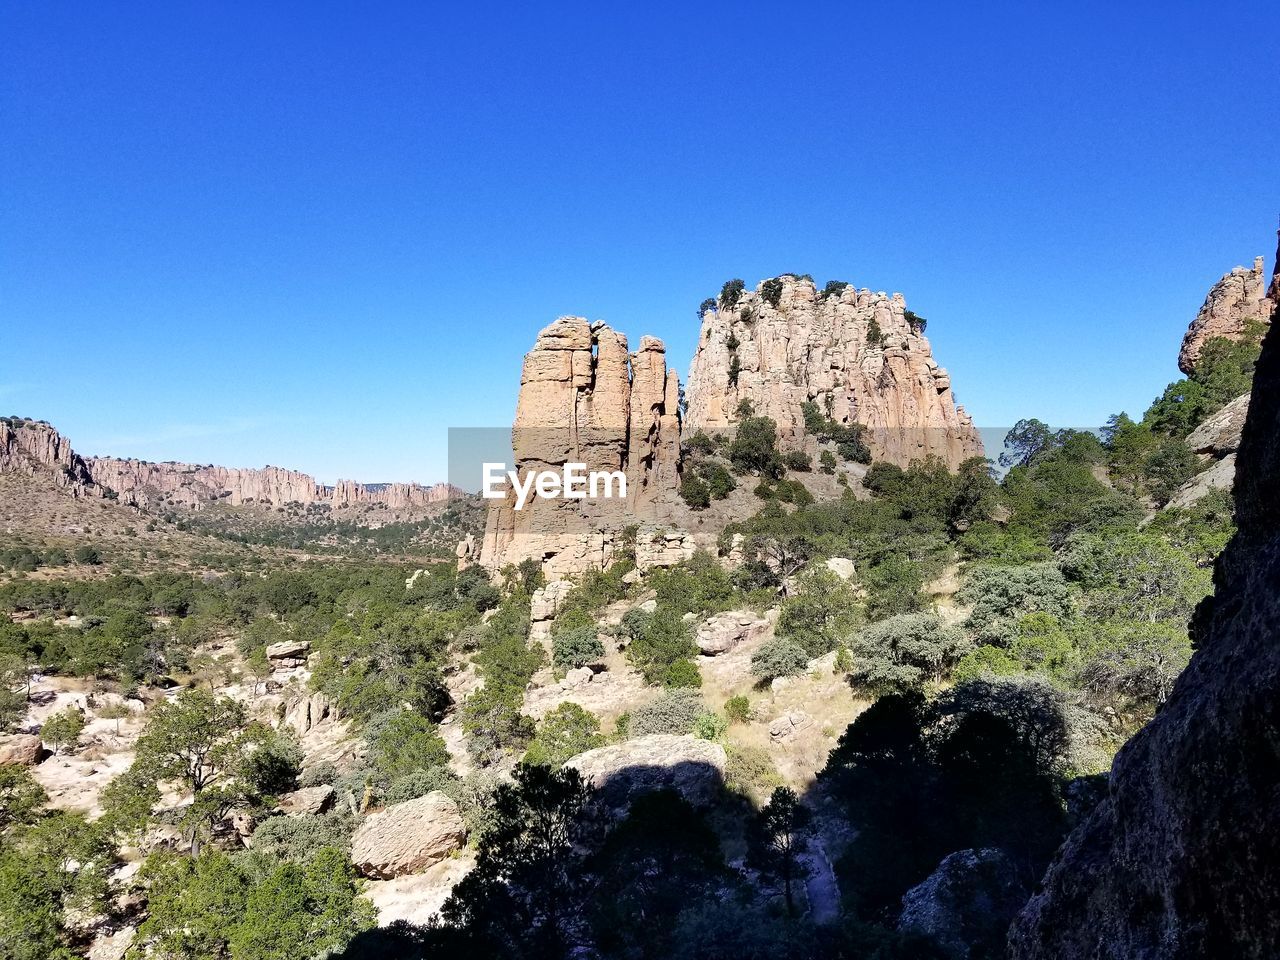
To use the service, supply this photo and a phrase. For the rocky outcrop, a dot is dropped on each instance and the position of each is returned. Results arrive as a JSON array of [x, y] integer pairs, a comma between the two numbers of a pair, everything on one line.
[[724, 631], [966, 904], [860, 356], [408, 837], [1240, 296], [1215, 441], [585, 399], [308, 802], [33, 448], [693, 767], [1182, 858], [288, 653]]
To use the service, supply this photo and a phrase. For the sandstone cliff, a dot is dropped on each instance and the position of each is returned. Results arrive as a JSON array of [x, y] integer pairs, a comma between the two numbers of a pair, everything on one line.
[[1240, 296], [584, 398], [860, 356], [32, 447], [1182, 858]]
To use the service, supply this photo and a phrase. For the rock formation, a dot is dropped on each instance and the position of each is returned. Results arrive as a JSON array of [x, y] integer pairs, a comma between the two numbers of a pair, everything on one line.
[[32, 447], [585, 399], [860, 356], [408, 837], [1182, 857], [1215, 441], [1240, 296]]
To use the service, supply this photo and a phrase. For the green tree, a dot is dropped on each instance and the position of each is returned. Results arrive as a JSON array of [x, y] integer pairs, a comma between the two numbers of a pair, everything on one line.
[[780, 842], [565, 732], [402, 742], [778, 657], [576, 647], [754, 448], [904, 651], [63, 728], [821, 613]]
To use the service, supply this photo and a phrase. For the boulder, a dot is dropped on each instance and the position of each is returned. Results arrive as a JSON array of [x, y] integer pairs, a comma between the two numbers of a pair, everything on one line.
[[309, 801], [21, 750], [693, 767], [842, 567], [306, 712], [724, 631], [289, 652], [408, 837], [966, 904], [788, 725], [1219, 435]]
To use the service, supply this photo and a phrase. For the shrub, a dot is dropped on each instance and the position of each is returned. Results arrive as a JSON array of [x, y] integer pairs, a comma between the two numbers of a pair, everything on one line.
[[915, 321], [754, 447], [749, 771], [710, 726], [779, 657], [419, 784], [735, 368], [62, 729], [272, 768], [827, 462], [298, 839], [682, 673], [403, 742], [565, 732], [576, 647], [875, 336], [834, 288], [88, 554], [672, 711], [771, 292], [719, 481], [1002, 595], [738, 709], [822, 612], [798, 461], [695, 492], [707, 304]]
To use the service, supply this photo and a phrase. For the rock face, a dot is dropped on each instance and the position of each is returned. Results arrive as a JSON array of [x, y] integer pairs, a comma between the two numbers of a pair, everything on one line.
[[1182, 858], [693, 767], [1241, 295], [585, 399], [825, 350], [966, 903], [308, 801], [408, 837], [32, 447], [288, 653]]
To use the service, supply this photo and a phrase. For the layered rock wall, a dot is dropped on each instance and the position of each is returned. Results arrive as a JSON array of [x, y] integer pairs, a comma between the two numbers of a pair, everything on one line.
[[32, 447], [856, 354]]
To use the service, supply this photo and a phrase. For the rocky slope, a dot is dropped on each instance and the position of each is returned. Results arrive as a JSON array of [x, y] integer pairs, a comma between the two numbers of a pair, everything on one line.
[[1182, 858], [584, 398], [1240, 296], [857, 354]]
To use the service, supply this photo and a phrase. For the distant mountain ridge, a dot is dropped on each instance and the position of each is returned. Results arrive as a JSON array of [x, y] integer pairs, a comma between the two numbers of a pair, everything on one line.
[[33, 447]]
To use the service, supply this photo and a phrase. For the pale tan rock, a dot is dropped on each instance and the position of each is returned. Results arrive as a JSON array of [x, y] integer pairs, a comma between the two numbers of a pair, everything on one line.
[[724, 631], [408, 837], [811, 348], [304, 713], [585, 399], [33, 447], [842, 567], [291, 652], [22, 750], [1219, 435], [785, 727], [308, 801]]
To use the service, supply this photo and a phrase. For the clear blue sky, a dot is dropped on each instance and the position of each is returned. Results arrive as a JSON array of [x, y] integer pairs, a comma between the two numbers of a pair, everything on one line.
[[318, 234]]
